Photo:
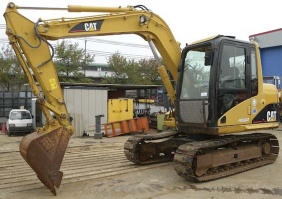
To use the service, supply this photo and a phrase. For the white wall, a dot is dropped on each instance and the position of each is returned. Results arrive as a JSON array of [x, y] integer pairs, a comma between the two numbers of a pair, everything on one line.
[[83, 105]]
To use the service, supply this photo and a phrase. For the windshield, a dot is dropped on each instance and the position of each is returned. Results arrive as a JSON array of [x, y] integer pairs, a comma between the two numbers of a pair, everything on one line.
[[20, 115], [196, 75]]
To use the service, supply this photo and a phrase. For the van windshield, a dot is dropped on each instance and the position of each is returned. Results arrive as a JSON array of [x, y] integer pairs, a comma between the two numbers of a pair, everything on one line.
[[20, 115]]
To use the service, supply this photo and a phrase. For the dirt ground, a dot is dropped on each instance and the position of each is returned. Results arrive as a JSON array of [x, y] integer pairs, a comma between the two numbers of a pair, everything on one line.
[[95, 168]]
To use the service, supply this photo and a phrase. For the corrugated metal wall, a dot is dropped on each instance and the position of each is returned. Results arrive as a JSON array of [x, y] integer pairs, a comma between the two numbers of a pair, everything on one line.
[[270, 43], [271, 59], [83, 105], [10, 100]]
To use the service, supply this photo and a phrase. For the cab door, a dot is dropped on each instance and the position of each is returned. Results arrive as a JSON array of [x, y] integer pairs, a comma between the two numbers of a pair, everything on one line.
[[233, 84]]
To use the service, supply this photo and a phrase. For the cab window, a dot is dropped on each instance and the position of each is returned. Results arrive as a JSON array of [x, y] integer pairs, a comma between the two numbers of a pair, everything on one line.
[[196, 75]]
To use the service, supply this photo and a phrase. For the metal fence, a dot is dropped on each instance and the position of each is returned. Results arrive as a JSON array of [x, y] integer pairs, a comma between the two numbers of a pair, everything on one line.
[[13, 100]]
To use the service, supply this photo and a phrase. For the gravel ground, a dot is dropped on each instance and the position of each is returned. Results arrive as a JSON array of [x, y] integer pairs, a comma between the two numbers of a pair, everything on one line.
[[160, 181]]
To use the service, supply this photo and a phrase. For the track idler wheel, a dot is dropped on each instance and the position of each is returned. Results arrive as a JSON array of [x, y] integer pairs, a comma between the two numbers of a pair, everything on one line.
[[44, 153]]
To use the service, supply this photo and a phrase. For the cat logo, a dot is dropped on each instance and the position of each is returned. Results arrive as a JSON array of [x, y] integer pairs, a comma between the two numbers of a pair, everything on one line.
[[89, 26], [271, 116]]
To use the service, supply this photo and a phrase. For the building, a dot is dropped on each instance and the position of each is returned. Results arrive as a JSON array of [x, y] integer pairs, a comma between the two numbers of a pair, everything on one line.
[[85, 101], [97, 70], [270, 43]]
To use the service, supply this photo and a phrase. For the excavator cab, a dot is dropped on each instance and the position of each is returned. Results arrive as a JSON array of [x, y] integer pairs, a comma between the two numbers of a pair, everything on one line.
[[219, 77]]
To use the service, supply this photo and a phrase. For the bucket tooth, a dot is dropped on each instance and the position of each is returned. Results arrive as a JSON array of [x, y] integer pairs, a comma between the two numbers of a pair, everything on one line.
[[44, 153]]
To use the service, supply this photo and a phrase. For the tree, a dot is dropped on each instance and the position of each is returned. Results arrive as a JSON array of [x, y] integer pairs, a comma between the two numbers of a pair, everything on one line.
[[117, 64], [134, 73], [150, 70], [70, 62], [131, 72], [11, 74]]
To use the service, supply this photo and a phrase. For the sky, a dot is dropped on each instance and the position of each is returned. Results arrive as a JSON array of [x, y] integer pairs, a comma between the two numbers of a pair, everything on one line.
[[188, 21]]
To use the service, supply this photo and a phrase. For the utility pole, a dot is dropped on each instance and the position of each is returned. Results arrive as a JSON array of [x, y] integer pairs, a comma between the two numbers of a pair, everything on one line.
[[84, 56]]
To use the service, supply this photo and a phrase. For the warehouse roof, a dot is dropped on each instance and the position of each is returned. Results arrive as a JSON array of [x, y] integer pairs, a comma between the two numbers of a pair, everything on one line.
[[268, 39], [109, 86]]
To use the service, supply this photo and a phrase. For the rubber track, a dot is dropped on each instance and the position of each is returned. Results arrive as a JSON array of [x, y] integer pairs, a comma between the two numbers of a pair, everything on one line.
[[187, 153]]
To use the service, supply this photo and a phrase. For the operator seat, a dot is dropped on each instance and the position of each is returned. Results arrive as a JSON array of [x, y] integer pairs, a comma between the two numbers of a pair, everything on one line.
[[232, 79]]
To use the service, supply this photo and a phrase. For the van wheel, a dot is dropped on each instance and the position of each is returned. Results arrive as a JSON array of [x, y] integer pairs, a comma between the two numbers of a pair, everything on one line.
[[9, 133]]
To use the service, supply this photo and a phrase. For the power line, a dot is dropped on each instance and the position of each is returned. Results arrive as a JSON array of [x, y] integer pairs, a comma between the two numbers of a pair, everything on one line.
[[116, 43], [2, 41], [2, 26], [108, 54], [102, 53]]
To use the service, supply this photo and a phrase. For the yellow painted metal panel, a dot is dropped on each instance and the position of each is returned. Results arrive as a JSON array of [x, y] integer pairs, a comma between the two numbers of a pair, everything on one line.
[[120, 109]]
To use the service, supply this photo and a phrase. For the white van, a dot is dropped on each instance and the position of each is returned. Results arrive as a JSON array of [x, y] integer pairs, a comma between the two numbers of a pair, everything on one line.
[[19, 121]]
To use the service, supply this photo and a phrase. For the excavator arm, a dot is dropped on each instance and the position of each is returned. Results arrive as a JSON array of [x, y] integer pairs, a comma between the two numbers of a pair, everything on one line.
[[44, 150]]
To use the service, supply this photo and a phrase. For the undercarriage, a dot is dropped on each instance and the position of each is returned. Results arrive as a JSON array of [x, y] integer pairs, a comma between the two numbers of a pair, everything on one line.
[[148, 149], [204, 160]]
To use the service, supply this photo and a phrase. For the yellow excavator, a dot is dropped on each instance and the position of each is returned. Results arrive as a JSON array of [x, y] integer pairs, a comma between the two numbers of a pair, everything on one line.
[[216, 88]]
